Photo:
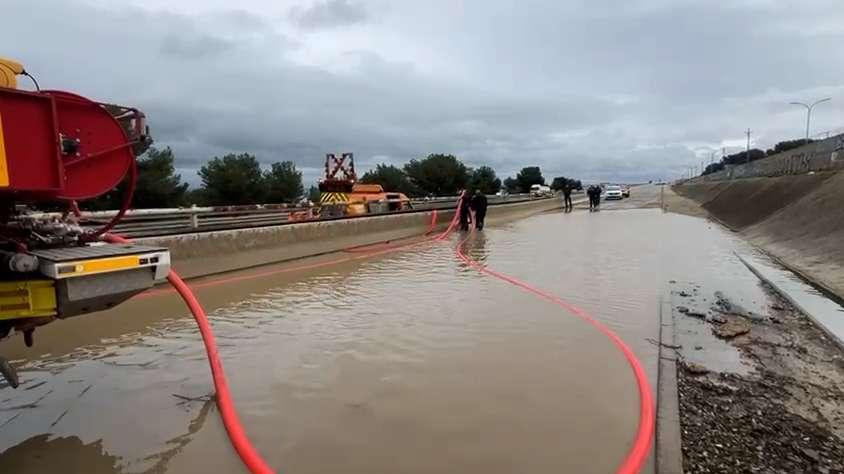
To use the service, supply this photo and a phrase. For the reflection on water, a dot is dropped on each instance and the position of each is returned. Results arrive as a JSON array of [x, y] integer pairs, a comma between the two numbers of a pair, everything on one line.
[[475, 247], [409, 362], [41, 453], [44, 453]]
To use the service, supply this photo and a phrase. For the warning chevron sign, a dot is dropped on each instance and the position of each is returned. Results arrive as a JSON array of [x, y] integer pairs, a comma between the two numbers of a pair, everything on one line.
[[325, 198]]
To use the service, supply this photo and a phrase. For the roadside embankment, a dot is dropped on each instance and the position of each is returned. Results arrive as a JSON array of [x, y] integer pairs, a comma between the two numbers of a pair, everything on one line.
[[207, 253], [799, 219]]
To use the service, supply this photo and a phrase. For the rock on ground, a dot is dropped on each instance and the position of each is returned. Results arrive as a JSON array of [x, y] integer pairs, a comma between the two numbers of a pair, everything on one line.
[[731, 329]]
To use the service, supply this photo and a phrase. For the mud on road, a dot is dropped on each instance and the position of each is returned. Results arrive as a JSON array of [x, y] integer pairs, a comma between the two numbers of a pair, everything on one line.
[[781, 410]]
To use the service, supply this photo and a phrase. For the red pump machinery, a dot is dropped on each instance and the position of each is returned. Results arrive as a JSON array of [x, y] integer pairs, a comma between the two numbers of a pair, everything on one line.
[[57, 148]]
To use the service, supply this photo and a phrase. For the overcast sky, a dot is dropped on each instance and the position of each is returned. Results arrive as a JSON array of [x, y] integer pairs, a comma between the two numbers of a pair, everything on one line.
[[598, 90]]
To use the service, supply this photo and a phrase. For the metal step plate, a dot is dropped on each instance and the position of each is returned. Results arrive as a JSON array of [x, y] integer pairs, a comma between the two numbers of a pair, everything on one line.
[[72, 262]]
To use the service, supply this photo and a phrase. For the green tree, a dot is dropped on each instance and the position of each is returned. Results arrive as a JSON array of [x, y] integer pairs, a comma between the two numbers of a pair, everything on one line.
[[440, 175], [313, 194], [741, 157], [561, 181], [529, 176], [195, 197], [390, 178], [511, 185], [484, 179], [713, 167], [233, 179], [158, 185], [283, 182], [787, 145]]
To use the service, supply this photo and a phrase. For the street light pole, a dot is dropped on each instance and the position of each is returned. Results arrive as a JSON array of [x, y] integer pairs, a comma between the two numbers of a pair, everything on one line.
[[809, 108], [747, 152]]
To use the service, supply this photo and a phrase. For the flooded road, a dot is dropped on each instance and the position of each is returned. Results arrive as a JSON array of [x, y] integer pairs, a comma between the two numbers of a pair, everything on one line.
[[406, 362]]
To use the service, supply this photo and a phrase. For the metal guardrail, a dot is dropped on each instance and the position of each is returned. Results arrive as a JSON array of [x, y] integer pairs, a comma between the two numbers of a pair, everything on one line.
[[158, 222]]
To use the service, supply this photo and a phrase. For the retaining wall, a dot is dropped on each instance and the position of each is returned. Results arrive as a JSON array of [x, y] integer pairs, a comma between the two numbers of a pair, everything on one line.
[[206, 253], [822, 155]]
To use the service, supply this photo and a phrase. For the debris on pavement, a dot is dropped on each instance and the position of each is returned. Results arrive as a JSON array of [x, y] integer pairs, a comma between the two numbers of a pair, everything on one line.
[[732, 329], [786, 415]]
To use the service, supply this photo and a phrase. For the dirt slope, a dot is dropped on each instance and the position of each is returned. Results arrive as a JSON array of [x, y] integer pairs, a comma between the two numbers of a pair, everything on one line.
[[742, 203], [809, 234]]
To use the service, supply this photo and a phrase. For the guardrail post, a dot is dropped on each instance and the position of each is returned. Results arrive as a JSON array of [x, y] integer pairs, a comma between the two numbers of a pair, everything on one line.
[[194, 220]]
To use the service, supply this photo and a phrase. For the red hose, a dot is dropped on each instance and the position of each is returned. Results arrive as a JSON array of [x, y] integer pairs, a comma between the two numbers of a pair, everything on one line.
[[388, 245], [433, 225], [237, 435], [228, 413], [247, 452], [631, 464], [638, 453], [124, 206], [454, 219], [360, 253]]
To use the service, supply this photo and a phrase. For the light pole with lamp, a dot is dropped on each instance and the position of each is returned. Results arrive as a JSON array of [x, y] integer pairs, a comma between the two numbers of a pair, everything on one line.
[[809, 112]]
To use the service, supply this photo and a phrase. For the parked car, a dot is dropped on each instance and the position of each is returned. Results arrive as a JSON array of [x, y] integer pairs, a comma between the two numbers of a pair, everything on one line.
[[625, 191], [613, 192], [540, 190]]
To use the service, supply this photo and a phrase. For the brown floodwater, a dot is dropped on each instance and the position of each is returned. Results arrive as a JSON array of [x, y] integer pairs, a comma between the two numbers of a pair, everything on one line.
[[408, 362]]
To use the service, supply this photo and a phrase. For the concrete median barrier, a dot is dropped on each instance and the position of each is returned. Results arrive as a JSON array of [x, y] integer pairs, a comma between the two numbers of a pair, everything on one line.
[[207, 253]]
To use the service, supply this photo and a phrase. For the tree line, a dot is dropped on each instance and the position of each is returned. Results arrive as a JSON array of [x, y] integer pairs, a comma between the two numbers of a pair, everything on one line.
[[231, 179], [754, 154], [236, 179], [442, 175]]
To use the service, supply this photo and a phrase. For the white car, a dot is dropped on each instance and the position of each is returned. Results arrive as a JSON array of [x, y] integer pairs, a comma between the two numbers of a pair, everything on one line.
[[613, 192], [540, 190]]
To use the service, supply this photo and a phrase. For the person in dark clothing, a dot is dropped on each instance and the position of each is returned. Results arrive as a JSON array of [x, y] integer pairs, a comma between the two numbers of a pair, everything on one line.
[[479, 204], [465, 206], [567, 197], [594, 193]]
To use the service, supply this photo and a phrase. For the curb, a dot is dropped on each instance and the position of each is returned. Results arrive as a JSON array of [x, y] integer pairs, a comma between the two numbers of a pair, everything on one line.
[[668, 443], [825, 289], [837, 340]]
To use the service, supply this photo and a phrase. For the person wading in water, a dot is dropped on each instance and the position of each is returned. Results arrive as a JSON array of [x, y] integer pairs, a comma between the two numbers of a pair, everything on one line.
[[594, 193], [465, 206], [479, 204], [567, 197]]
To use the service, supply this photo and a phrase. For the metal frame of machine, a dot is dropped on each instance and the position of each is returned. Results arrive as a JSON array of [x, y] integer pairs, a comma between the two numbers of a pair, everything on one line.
[[341, 194], [58, 147]]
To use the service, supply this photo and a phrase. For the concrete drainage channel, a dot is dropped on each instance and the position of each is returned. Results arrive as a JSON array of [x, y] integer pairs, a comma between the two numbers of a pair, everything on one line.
[[825, 312]]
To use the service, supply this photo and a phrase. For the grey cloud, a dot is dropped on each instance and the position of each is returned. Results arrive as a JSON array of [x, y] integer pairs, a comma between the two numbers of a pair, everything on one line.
[[244, 20], [183, 46], [579, 89], [329, 14]]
